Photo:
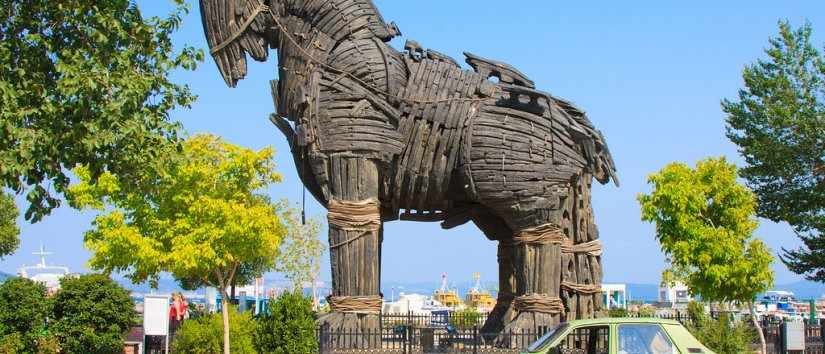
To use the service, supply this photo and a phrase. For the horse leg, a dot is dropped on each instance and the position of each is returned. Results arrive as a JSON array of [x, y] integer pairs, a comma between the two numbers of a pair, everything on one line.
[[555, 258], [495, 229], [355, 234]]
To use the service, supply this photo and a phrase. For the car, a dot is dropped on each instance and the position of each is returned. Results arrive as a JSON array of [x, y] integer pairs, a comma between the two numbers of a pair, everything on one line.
[[618, 336]]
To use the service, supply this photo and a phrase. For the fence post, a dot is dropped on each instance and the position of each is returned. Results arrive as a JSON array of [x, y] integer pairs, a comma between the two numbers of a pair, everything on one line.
[[475, 339], [321, 339], [407, 336], [822, 330]]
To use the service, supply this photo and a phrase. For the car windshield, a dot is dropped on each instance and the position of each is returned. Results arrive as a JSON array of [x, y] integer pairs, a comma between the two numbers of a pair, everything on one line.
[[547, 337]]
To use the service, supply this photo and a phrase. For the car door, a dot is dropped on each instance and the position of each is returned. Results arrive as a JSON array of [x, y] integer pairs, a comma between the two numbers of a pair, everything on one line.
[[594, 339], [643, 338]]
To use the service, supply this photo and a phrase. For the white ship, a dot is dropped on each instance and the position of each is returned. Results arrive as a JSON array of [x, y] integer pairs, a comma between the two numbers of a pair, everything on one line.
[[48, 275]]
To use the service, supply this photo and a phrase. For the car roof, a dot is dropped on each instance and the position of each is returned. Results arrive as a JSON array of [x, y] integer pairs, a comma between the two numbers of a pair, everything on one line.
[[622, 320]]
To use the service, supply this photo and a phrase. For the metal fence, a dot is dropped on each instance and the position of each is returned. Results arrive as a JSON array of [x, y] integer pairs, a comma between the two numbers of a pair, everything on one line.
[[464, 320], [404, 339], [461, 333]]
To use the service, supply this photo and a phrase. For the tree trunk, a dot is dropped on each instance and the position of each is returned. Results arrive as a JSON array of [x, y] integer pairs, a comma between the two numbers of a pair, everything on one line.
[[758, 326], [225, 314], [314, 295]]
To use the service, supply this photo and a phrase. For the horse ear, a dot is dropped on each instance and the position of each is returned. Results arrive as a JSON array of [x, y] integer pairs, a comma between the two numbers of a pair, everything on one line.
[[234, 28]]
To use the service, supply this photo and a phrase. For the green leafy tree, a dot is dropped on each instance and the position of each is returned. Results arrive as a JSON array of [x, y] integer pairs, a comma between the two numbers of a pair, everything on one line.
[[9, 232], [85, 83], [204, 334], [299, 258], [778, 122], [288, 327], [246, 274], [723, 335], [23, 310], [203, 218], [704, 223], [91, 314]]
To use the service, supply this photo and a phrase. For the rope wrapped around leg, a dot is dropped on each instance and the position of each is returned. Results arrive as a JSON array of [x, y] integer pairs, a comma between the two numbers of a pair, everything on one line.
[[586, 289], [369, 305], [540, 235], [364, 216], [539, 303], [551, 234]]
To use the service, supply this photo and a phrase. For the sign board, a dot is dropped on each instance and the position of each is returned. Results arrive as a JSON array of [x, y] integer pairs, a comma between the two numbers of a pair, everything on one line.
[[156, 315], [795, 335]]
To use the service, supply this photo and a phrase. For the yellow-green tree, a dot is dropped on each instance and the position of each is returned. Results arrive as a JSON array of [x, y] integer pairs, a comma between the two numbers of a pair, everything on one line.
[[201, 217], [705, 222], [299, 259]]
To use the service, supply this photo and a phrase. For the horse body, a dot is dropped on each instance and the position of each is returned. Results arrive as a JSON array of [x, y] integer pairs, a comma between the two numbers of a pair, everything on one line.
[[420, 138]]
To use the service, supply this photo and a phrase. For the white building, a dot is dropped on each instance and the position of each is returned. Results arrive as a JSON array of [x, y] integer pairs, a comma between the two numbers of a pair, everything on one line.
[[414, 303], [676, 294], [614, 296]]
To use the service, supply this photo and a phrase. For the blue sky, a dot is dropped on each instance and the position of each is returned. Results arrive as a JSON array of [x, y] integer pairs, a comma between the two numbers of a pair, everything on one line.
[[650, 74]]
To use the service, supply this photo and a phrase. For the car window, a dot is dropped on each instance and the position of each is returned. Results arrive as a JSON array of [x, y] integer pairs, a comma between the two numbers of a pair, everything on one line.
[[548, 337], [644, 339], [586, 340]]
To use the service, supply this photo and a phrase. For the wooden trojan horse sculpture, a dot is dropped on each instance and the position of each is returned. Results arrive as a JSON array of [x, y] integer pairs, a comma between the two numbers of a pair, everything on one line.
[[380, 135]]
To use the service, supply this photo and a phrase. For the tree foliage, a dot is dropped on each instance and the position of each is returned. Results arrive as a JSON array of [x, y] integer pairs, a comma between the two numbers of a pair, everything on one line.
[[85, 82], [12, 343], [23, 311], [301, 250], [91, 314], [202, 218], [704, 223], [9, 231], [778, 122], [288, 327], [724, 335], [203, 335]]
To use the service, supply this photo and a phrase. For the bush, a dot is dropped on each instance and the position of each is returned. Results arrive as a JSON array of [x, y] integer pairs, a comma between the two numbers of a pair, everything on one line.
[[647, 310], [11, 343], [204, 335], [91, 315], [289, 327], [23, 309], [617, 312], [466, 318], [48, 344], [723, 336]]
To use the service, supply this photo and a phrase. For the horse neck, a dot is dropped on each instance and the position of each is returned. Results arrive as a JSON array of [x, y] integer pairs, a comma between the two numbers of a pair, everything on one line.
[[338, 19]]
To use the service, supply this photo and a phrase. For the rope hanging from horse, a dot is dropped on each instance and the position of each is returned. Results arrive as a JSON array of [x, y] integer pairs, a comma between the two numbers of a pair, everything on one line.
[[261, 7]]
